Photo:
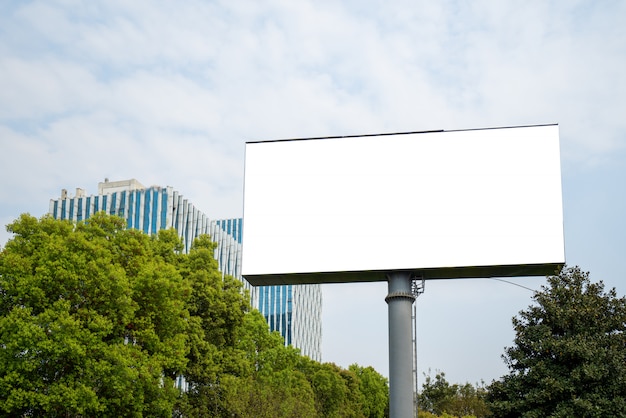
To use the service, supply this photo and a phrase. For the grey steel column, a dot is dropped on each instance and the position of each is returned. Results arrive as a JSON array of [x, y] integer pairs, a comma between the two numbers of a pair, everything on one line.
[[400, 300]]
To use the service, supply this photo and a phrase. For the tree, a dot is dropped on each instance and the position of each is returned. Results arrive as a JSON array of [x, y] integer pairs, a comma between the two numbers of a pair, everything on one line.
[[438, 397], [437, 394], [374, 390], [569, 353], [274, 383], [217, 307], [92, 320], [99, 320]]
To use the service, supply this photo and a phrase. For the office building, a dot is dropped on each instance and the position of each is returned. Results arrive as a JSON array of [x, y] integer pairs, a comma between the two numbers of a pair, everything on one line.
[[294, 311]]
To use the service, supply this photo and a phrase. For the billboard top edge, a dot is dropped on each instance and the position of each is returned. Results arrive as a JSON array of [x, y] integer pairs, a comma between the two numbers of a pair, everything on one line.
[[397, 133]]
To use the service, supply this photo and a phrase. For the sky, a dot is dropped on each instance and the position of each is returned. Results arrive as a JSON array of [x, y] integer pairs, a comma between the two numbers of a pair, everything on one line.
[[169, 92]]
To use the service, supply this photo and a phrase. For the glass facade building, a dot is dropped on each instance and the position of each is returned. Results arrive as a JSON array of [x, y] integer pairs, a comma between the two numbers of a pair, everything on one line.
[[294, 311]]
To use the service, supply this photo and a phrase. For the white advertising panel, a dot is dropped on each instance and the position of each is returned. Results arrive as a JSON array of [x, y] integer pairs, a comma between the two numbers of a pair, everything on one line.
[[447, 204]]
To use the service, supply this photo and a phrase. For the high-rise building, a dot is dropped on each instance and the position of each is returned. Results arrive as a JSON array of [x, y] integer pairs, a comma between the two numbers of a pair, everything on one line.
[[294, 311]]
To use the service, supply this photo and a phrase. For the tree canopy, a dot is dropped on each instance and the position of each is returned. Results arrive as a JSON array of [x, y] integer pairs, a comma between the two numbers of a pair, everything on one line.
[[569, 353], [440, 398], [100, 320], [91, 320]]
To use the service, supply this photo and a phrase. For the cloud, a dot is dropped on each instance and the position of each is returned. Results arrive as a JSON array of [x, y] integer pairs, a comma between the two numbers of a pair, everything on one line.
[[324, 69]]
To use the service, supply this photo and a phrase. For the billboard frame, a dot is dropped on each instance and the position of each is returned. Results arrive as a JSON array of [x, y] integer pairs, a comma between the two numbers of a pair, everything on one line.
[[544, 153]]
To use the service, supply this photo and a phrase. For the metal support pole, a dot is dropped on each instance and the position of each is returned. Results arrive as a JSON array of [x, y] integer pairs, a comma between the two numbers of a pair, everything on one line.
[[419, 286], [400, 300]]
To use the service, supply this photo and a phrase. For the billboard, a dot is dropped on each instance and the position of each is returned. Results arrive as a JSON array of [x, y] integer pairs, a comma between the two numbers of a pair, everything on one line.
[[445, 204]]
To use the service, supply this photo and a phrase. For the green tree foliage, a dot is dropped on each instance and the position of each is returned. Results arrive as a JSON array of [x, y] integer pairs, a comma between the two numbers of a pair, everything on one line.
[[80, 334], [217, 307], [283, 383], [569, 353], [374, 390], [98, 320], [440, 398], [276, 385]]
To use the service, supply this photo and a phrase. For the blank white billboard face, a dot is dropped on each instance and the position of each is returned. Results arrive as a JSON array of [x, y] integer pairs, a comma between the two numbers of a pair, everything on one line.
[[473, 203]]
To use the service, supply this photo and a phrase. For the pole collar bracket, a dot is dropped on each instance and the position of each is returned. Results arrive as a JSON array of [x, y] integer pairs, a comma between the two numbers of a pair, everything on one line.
[[400, 295]]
